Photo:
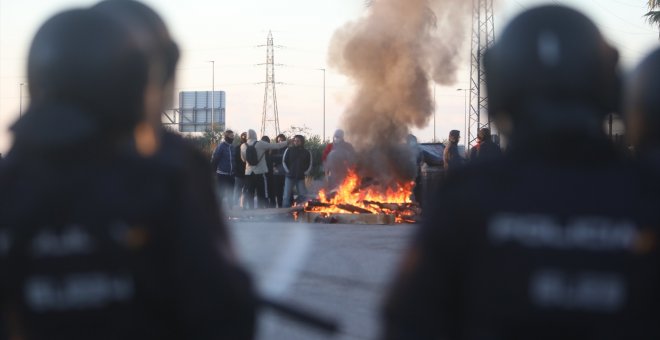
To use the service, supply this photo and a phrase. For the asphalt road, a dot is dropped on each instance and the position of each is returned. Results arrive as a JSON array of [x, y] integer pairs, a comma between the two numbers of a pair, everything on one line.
[[340, 271]]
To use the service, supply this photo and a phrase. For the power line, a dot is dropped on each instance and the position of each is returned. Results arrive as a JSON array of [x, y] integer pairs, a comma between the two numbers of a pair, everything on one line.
[[617, 16], [625, 4], [520, 5]]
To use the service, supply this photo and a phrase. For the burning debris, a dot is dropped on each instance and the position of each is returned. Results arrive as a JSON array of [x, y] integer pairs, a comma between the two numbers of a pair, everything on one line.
[[363, 203]]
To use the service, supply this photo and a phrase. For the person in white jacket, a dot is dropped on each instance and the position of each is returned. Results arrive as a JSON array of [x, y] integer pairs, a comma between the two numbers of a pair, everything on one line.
[[255, 179]]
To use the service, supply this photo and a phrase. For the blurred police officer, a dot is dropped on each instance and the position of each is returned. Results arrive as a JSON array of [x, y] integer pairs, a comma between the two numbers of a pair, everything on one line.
[[100, 241], [643, 110], [551, 241]]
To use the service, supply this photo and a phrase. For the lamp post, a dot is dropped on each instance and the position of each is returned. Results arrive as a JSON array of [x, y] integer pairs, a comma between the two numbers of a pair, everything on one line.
[[212, 96], [323, 69], [20, 100], [434, 111], [465, 122]]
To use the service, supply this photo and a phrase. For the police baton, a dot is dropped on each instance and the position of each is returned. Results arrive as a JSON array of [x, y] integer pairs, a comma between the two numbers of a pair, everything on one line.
[[300, 314]]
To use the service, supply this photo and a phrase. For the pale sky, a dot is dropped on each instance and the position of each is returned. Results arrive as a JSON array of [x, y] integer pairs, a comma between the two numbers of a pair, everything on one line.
[[229, 33]]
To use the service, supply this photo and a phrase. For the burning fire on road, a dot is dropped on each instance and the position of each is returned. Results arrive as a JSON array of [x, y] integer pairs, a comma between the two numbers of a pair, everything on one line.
[[357, 202]]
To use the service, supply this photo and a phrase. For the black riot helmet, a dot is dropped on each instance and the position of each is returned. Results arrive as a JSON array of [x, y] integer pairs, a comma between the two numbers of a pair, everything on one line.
[[149, 30], [642, 103], [552, 55], [85, 77]]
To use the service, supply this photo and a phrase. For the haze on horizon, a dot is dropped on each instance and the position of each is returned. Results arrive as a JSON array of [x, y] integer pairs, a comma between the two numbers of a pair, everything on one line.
[[230, 32]]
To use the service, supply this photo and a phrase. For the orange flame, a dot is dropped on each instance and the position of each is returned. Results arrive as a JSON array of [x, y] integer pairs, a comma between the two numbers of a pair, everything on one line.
[[371, 199]]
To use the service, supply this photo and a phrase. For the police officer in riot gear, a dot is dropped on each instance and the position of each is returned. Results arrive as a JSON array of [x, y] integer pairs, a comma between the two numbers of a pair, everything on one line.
[[104, 234], [550, 241], [643, 110]]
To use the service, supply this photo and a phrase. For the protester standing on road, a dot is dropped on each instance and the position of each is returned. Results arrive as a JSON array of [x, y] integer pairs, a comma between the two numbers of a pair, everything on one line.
[[337, 138], [270, 200], [297, 162], [338, 158], [278, 173], [485, 149], [451, 157], [538, 244], [239, 172], [101, 252], [223, 163], [256, 168]]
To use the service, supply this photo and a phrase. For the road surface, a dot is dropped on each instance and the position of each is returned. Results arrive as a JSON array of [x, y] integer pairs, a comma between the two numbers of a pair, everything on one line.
[[340, 271]]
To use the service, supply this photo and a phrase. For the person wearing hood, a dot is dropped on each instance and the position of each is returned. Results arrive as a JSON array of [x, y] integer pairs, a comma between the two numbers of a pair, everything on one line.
[[297, 163], [337, 139], [338, 158], [255, 171], [105, 235]]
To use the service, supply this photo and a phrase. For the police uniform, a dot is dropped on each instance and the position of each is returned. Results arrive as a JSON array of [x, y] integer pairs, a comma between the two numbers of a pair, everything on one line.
[[533, 248], [97, 241], [558, 238], [113, 245]]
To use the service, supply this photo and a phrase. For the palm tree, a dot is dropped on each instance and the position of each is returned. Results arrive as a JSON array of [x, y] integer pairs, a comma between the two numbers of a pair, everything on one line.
[[653, 15]]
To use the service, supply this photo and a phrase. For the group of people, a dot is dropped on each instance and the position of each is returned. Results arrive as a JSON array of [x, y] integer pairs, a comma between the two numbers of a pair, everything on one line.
[[485, 150], [269, 172], [110, 226], [278, 170]]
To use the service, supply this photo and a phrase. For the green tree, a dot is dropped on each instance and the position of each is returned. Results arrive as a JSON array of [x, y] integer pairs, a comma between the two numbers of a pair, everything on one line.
[[207, 141], [653, 15]]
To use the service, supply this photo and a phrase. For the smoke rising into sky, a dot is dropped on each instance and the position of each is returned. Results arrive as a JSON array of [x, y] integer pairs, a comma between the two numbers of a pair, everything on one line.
[[392, 54]]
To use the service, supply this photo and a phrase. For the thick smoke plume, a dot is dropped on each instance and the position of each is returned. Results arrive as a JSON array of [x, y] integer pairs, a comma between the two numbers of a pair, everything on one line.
[[392, 54]]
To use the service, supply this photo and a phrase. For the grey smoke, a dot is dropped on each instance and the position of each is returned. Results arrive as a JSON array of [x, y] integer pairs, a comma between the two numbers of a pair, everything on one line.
[[392, 54]]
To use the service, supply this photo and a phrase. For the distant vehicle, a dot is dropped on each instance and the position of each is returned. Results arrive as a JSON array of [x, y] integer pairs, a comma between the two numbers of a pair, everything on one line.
[[432, 153]]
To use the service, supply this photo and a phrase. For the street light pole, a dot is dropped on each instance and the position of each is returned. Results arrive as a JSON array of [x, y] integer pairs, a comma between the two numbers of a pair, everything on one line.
[[212, 95], [465, 122], [20, 100], [324, 105], [323, 69], [434, 111]]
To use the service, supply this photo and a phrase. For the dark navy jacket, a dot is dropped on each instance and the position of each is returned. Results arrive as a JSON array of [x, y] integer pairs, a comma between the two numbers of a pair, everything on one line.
[[223, 159], [297, 162], [97, 242], [553, 241]]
